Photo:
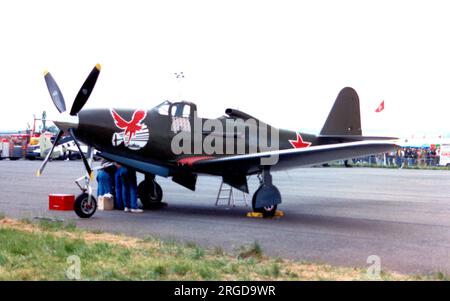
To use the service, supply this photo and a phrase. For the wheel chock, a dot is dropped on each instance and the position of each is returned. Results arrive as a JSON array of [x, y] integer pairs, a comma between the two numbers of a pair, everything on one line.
[[253, 214], [279, 213]]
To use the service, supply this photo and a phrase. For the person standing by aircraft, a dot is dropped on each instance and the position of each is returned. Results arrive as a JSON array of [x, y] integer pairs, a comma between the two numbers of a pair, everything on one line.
[[118, 200], [105, 177], [126, 189]]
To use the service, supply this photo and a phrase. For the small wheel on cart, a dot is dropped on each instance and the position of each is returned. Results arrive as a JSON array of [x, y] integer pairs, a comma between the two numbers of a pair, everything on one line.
[[85, 207]]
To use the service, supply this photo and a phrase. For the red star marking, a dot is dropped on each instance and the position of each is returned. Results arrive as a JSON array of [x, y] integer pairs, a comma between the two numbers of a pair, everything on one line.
[[299, 143]]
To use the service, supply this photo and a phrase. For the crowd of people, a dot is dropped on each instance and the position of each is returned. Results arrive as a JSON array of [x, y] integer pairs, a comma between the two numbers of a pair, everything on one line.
[[120, 183], [419, 156], [406, 156]]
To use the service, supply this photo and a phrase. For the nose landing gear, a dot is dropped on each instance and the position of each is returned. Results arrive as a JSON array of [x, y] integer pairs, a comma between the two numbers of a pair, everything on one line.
[[85, 203]]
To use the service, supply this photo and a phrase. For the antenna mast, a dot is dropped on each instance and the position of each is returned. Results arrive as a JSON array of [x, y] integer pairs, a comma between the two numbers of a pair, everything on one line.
[[179, 76]]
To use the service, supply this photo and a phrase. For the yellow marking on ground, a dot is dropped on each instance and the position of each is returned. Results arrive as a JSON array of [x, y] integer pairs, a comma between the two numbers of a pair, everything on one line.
[[253, 214]]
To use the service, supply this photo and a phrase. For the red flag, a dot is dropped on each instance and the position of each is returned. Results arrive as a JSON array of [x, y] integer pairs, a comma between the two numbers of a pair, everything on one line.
[[380, 107]]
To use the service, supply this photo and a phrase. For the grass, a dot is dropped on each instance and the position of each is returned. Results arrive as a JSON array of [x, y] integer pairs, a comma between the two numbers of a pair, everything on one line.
[[441, 276], [42, 251], [49, 225], [252, 251]]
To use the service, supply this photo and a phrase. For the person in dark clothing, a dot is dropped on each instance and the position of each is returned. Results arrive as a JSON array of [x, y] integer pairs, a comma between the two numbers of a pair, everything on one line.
[[105, 177], [346, 164], [126, 189]]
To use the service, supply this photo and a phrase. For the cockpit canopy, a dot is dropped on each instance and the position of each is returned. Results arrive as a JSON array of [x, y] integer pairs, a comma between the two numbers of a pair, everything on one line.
[[176, 109]]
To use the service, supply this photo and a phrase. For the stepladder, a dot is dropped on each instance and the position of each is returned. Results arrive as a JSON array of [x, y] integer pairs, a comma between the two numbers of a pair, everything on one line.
[[226, 193]]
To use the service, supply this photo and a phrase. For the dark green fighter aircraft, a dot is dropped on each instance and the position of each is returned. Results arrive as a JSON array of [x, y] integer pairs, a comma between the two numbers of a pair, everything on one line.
[[170, 140]]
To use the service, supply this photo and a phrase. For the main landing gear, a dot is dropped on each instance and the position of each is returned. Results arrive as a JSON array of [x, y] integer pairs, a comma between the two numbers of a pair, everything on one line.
[[267, 196], [150, 193]]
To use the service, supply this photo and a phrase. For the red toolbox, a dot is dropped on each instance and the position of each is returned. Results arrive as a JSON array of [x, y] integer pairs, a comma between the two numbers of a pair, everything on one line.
[[61, 202]]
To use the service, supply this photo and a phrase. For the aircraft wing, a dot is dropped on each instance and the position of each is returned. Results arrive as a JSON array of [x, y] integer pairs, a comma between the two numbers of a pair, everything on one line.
[[291, 158]]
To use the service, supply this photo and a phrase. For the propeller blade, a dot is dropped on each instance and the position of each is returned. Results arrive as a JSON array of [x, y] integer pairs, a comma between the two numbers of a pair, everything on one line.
[[85, 91], [55, 92], [85, 161], [47, 158]]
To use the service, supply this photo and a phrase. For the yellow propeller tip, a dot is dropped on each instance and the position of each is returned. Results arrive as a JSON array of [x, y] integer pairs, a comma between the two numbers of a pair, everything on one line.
[[99, 67], [91, 176], [38, 173], [45, 72]]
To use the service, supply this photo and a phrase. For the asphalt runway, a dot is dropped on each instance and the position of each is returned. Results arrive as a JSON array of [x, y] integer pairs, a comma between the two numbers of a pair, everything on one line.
[[338, 216]]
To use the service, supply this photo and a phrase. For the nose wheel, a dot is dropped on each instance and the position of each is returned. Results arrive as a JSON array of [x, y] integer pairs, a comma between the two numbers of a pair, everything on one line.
[[85, 205]]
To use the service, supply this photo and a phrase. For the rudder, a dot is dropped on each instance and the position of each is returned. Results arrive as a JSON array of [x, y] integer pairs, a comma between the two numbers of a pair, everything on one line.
[[344, 118]]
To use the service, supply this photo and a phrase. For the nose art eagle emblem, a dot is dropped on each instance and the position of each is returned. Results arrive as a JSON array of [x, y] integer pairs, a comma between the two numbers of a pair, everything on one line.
[[134, 134]]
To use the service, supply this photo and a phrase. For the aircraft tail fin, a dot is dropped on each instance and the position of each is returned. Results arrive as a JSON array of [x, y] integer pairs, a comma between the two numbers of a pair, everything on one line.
[[344, 118]]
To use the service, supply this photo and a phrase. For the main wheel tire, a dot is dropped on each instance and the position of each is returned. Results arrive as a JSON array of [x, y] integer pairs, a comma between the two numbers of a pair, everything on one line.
[[82, 207], [150, 194], [266, 211]]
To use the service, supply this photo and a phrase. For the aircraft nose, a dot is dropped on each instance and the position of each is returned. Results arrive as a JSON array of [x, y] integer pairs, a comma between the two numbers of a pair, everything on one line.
[[66, 122]]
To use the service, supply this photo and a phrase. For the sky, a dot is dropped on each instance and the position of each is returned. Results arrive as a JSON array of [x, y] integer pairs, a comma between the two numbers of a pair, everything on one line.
[[283, 62]]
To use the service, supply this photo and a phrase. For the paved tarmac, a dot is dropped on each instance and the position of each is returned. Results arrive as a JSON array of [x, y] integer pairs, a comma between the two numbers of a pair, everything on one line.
[[338, 216]]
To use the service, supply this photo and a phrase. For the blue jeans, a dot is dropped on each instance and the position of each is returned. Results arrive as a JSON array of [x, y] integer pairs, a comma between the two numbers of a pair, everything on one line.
[[126, 188], [104, 183]]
